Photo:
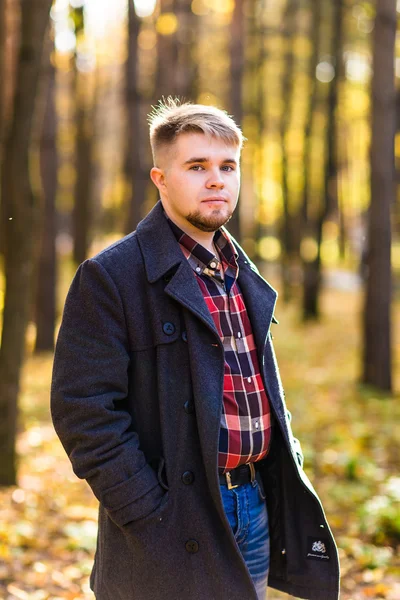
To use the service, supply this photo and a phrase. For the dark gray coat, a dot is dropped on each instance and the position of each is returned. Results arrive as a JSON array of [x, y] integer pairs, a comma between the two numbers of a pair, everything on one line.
[[136, 401]]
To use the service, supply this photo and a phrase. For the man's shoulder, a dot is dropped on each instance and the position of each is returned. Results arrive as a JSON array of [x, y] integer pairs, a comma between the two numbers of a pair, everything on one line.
[[121, 256]]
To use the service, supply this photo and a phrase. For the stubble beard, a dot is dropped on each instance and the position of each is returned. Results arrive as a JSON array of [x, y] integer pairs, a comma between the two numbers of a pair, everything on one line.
[[210, 223]]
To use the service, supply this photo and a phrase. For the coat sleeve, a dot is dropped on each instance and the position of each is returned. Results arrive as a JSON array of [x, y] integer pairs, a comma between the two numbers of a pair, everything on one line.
[[89, 386]]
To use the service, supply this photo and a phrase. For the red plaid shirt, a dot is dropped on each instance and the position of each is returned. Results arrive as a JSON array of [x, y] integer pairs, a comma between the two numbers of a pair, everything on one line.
[[246, 419]]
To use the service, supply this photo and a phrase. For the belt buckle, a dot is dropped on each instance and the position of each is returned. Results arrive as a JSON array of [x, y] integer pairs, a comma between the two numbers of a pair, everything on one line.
[[229, 478], [229, 481]]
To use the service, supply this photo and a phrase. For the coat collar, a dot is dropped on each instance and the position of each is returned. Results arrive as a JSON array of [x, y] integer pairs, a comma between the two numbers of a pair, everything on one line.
[[163, 258], [162, 255], [161, 252]]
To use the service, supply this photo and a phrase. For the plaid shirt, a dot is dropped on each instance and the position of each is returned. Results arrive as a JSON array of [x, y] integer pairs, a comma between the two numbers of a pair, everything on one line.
[[246, 420]]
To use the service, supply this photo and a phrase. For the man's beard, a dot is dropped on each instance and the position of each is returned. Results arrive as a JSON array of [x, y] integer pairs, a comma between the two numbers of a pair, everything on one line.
[[208, 224]]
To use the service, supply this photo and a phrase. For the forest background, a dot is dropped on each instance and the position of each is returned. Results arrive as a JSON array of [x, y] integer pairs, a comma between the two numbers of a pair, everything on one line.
[[315, 86]]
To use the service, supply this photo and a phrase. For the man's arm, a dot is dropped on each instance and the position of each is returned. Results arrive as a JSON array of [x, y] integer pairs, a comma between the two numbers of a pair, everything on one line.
[[90, 382]]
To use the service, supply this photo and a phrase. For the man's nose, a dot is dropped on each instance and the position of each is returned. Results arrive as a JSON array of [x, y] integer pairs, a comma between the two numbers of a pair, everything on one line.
[[215, 181]]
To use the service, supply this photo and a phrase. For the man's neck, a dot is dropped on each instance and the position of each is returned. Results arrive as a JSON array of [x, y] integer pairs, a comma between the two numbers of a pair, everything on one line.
[[204, 238]]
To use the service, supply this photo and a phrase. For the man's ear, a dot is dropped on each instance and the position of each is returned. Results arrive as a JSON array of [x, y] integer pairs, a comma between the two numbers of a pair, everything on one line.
[[158, 178]]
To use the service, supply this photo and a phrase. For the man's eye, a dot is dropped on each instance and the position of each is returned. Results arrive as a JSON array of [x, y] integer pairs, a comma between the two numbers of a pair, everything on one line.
[[196, 168], [227, 168]]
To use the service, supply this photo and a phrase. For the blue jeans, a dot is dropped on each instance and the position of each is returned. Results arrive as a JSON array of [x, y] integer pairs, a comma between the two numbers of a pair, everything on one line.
[[247, 514]]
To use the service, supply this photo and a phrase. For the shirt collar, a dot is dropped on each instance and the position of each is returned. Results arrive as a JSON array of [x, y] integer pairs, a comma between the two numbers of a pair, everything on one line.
[[204, 259]]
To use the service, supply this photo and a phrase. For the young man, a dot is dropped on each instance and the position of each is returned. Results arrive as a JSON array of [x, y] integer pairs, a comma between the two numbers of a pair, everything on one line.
[[167, 398]]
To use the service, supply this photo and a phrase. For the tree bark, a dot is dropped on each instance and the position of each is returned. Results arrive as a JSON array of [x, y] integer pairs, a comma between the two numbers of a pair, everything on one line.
[[84, 118], [289, 33], [167, 57], [256, 99], [3, 36], [377, 318], [237, 32], [311, 271], [46, 281], [187, 71], [136, 160], [22, 212], [332, 130]]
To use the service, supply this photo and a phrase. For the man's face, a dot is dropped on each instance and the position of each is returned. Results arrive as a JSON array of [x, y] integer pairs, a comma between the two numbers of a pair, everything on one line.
[[199, 180]]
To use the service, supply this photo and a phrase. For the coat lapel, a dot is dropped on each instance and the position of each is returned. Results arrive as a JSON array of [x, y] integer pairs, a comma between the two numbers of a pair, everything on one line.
[[163, 256], [260, 299]]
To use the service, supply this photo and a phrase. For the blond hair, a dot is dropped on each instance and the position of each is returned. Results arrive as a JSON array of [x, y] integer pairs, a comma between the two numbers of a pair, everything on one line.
[[171, 118]]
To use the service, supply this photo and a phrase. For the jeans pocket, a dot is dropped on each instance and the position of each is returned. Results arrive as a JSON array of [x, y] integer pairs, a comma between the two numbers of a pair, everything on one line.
[[230, 502], [260, 487]]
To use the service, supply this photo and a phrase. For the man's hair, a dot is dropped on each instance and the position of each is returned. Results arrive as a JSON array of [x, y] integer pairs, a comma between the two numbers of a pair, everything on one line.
[[171, 118]]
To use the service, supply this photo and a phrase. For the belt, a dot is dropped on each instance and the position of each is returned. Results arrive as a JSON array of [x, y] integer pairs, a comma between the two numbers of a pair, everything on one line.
[[242, 474]]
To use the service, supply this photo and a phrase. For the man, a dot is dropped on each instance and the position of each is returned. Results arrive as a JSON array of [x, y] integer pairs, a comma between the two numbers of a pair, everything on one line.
[[167, 397]]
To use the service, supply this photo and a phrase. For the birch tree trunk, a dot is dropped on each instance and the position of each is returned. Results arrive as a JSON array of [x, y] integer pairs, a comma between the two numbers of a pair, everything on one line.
[[377, 336], [22, 211]]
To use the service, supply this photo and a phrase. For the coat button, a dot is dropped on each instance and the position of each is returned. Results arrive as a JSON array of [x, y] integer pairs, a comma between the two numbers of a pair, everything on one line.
[[189, 407], [192, 546], [187, 477], [184, 336], [168, 328]]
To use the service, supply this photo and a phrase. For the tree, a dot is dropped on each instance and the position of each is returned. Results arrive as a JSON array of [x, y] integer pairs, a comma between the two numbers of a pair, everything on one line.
[[329, 203], [377, 336], [45, 304], [167, 54], [310, 284], [3, 35], [84, 117], [289, 34], [236, 80], [22, 212], [136, 167]]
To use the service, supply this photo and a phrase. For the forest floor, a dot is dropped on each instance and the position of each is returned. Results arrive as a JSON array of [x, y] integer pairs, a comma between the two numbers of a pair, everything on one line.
[[350, 436]]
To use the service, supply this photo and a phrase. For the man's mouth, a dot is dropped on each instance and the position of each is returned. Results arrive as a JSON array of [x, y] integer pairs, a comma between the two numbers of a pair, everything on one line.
[[214, 200]]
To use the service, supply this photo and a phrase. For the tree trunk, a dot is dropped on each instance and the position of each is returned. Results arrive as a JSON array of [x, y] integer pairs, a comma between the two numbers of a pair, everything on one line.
[[46, 280], [22, 212], [237, 32], [332, 130], [377, 336], [167, 56], [256, 98], [289, 35], [329, 204], [84, 118], [3, 36], [187, 70], [311, 272], [136, 160]]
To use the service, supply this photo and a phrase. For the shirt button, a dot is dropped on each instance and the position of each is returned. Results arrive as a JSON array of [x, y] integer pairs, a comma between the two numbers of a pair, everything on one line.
[[213, 265], [249, 379], [239, 335], [198, 270], [256, 424]]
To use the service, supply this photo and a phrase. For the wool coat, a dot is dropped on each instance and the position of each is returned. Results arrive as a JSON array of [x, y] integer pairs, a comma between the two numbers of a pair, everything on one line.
[[136, 401]]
